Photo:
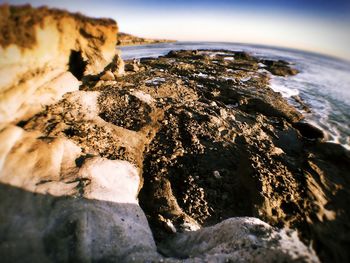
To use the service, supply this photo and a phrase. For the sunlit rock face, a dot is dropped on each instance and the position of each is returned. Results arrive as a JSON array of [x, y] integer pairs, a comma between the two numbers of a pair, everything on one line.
[[43, 54]]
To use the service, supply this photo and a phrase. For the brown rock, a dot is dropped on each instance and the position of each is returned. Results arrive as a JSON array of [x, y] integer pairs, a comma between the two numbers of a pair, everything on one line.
[[132, 67], [73, 42], [108, 75]]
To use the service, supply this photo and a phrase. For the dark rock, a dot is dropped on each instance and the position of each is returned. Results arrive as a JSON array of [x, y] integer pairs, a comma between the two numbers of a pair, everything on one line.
[[243, 56], [280, 68], [132, 67], [309, 131], [301, 103]]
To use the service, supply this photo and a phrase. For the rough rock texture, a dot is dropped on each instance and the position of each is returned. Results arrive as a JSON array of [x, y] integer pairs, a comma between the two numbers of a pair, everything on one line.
[[197, 136], [238, 240], [55, 208], [229, 146], [37, 46]]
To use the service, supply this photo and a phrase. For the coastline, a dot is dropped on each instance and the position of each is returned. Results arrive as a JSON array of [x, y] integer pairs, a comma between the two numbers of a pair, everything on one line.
[[190, 156], [125, 39]]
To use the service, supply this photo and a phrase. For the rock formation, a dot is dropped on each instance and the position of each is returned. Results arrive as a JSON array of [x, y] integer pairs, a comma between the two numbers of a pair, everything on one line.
[[43, 54], [197, 137]]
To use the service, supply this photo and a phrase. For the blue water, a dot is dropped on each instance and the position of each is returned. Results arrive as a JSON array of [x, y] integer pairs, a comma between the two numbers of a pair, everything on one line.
[[323, 82]]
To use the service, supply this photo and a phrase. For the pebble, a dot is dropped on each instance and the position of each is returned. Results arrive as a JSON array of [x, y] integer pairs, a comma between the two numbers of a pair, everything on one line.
[[223, 113], [217, 174]]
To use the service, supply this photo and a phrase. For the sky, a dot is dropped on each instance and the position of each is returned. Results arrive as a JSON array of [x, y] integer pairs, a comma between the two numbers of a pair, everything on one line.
[[313, 25]]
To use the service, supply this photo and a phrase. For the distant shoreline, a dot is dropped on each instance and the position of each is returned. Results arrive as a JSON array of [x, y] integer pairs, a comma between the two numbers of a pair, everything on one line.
[[125, 39]]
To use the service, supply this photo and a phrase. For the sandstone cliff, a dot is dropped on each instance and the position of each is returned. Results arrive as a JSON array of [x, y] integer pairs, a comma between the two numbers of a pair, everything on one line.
[[44, 53]]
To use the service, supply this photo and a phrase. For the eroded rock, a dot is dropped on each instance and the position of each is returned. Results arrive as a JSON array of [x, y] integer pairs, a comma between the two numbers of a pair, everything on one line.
[[239, 240], [200, 133], [108, 75], [46, 44]]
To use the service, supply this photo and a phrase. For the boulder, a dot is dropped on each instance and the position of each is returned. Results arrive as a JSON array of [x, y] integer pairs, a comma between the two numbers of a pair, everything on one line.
[[118, 65], [243, 239], [132, 67], [309, 131]]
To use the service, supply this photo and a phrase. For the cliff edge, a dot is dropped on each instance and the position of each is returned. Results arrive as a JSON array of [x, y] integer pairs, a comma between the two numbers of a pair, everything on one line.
[[44, 53]]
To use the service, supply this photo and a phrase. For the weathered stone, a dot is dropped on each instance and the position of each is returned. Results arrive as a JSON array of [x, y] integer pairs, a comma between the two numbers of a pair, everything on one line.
[[108, 75], [309, 131], [42, 50], [132, 67], [238, 240]]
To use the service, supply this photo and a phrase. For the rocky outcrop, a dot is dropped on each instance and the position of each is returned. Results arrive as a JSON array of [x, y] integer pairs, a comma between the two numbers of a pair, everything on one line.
[[43, 54], [229, 146], [197, 137]]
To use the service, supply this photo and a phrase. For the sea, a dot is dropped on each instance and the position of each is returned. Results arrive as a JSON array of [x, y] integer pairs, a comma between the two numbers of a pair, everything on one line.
[[323, 82]]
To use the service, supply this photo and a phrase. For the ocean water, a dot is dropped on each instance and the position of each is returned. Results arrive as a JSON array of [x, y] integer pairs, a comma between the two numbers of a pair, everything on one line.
[[323, 82]]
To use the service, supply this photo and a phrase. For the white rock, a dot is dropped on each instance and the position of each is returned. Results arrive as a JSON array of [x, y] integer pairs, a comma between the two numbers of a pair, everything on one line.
[[110, 180], [217, 174]]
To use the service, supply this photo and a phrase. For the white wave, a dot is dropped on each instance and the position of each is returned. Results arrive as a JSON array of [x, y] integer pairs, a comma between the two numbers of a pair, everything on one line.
[[286, 92]]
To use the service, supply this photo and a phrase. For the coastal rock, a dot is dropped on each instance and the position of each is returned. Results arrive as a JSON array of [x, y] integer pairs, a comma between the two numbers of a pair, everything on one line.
[[309, 131], [132, 67], [85, 212], [108, 75], [197, 137], [279, 68], [268, 168], [38, 47], [118, 65], [238, 240]]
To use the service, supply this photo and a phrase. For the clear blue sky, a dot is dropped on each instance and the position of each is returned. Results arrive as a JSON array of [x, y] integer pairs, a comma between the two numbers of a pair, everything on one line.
[[315, 25]]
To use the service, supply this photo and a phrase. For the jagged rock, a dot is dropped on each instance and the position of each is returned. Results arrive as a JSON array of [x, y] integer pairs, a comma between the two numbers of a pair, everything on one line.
[[301, 103], [238, 240], [118, 65], [309, 131], [279, 68], [108, 75], [132, 67], [203, 144]]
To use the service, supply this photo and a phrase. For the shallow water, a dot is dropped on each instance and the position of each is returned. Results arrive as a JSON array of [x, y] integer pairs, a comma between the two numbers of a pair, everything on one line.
[[323, 82]]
